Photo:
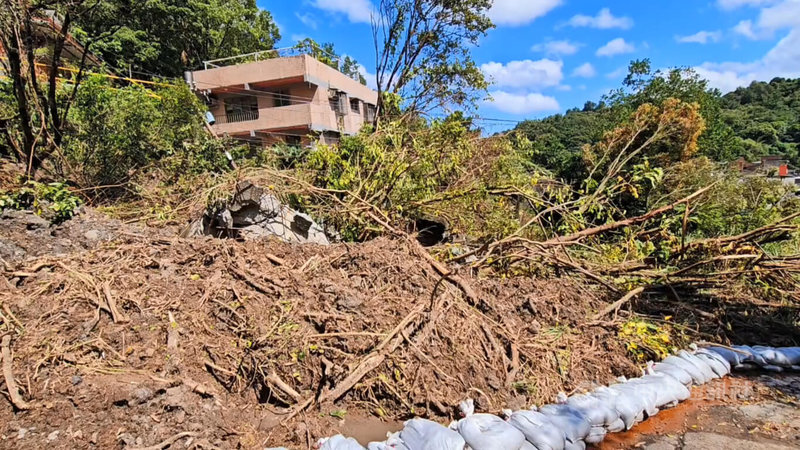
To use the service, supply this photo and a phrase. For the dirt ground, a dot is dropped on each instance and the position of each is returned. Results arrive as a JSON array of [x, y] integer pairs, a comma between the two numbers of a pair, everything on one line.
[[128, 337]]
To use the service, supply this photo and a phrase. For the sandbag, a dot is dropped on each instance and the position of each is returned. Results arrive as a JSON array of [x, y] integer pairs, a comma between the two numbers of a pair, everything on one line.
[[733, 358], [691, 369], [716, 362], [537, 429], [571, 421], [706, 371], [784, 357], [598, 412], [392, 442], [488, 432], [421, 434], [669, 391], [672, 370], [643, 394], [750, 355], [338, 442], [629, 406]]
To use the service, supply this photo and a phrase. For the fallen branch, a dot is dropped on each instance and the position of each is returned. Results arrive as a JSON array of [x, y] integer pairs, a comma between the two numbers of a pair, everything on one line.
[[8, 374], [617, 304], [274, 379], [574, 237], [168, 442]]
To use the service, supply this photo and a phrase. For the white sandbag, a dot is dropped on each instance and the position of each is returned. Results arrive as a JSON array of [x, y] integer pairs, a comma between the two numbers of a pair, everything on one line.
[[733, 358], [792, 354], [392, 442], [701, 365], [574, 424], [599, 413], [691, 369], [537, 429], [629, 406], [672, 370], [716, 362], [783, 357], [487, 431], [750, 355], [669, 391], [338, 442], [645, 395], [421, 434]]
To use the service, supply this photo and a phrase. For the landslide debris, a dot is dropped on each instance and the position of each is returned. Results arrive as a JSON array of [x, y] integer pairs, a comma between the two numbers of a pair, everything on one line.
[[265, 343]]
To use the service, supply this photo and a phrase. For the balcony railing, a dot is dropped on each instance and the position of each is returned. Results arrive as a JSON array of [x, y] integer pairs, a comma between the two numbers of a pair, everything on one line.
[[238, 116]]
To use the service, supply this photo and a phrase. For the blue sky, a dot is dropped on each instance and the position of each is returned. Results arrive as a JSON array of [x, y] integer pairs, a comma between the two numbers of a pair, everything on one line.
[[546, 56]]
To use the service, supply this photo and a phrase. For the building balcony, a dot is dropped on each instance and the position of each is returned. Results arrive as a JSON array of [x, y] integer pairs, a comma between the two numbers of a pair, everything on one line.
[[307, 115]]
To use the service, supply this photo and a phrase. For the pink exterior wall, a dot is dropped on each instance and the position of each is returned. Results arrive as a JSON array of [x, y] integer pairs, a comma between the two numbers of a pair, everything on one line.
[[307, 80]]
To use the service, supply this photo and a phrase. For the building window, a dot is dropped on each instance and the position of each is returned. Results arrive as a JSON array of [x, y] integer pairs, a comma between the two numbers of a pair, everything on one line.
[[281, 98], [240, 109], [369, 112], [293, 141], [354, 105]]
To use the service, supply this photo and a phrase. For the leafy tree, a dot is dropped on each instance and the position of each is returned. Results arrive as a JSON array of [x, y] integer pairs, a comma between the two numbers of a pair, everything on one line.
[[423, 52], [326, 54], [166, 37]]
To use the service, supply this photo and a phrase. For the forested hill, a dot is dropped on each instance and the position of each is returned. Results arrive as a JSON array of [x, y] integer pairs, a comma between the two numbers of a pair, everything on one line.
[[766, 118], [750, 122]]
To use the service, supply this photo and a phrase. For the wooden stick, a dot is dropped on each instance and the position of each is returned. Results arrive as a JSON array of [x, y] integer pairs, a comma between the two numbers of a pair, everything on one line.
[[116, 314], [617, 304], [8, 374], [168, 442], [283, 386]]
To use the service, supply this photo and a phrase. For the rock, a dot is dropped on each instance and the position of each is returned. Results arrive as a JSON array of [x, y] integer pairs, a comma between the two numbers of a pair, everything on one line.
[[93, 235], [21, 433], [27, 218], [126, 438], [76, 380], [53, 436], [142, 395]]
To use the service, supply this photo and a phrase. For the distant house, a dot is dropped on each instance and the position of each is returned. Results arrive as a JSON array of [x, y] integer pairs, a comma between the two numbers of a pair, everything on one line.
[[296, 100], [772, 166]]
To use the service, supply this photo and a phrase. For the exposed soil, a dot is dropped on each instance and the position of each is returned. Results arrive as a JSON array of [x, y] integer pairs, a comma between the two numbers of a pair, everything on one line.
[[262, 326]]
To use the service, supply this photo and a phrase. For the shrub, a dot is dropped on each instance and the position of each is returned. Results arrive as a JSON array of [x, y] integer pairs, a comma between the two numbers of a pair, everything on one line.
[[53, 201]]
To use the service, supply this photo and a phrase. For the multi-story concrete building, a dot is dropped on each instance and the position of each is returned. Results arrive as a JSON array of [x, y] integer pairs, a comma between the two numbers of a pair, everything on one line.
[[296, 100]]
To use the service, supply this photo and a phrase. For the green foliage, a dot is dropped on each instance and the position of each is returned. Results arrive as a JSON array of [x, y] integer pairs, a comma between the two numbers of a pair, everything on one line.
[[766, 119], [52, 201], [326, 54], [116, 131], [646, 341], [438, 171], [167, 37]]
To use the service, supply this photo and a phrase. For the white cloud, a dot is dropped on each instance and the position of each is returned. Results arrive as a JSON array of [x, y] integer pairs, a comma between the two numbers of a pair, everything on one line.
[[604, 20], [372, 80], [617, 46], [701, 37], [307, 20], [355, 10], [556, 48], [783, 60], [734, 4], [520, 12], [522, 103], [745, 28], [525, 74], [585, 70], [785, 14]]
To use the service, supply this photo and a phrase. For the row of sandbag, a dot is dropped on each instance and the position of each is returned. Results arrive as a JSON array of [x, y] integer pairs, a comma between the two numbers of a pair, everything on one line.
[[582, 419]]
